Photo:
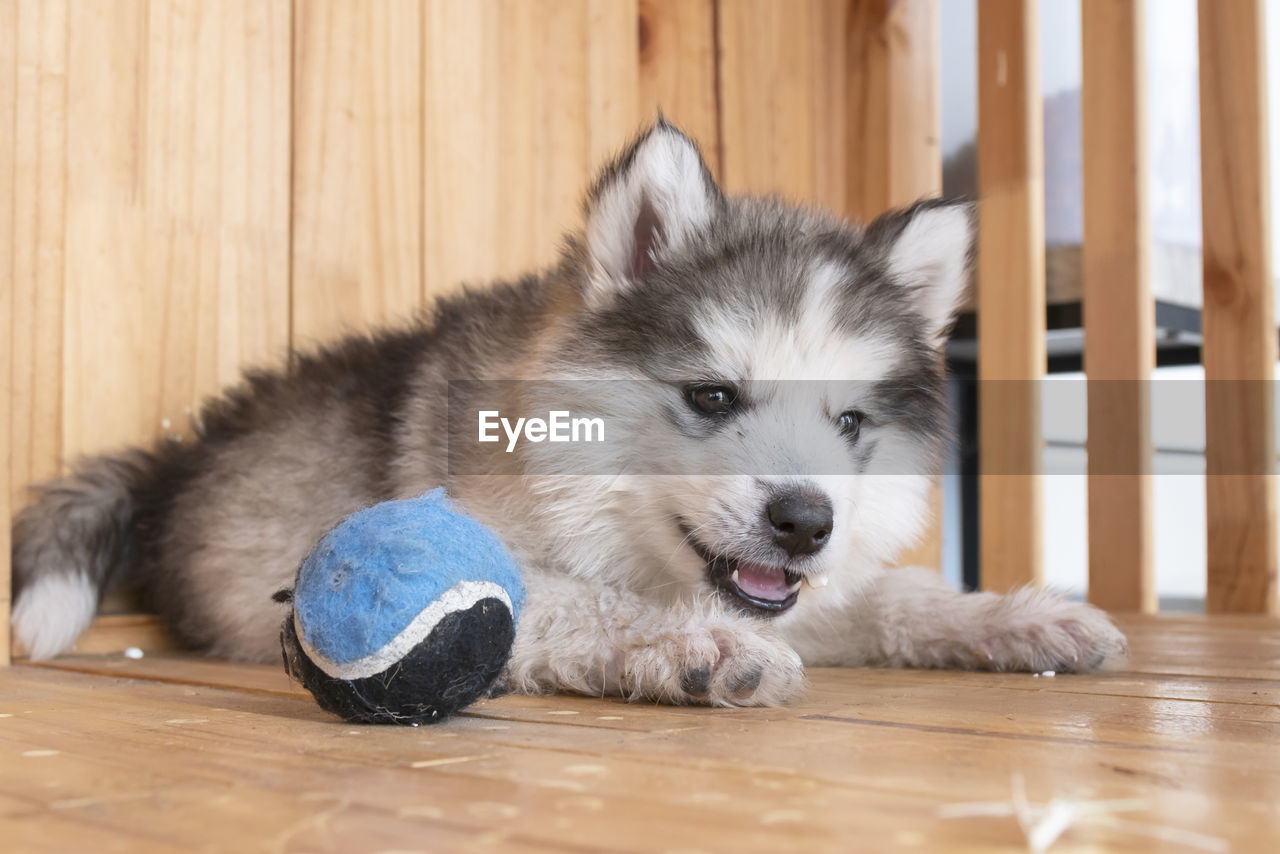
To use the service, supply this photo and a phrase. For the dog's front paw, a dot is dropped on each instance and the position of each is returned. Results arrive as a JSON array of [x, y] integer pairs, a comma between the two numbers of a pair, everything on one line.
[[1032, 630], [720, 664]]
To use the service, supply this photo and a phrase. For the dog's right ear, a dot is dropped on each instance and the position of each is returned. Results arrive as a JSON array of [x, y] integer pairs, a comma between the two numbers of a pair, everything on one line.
[[646, 204]]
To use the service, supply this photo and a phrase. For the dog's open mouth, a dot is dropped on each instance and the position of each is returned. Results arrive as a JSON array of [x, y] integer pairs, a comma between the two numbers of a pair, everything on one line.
[[755, 586]]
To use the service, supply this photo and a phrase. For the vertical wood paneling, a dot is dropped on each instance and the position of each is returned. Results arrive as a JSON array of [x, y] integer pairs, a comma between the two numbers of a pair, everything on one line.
[[1119, 311], [8, 114], [767, 60], [38, 196], [613, 78], [176, 209], [894, 105], [1239, 350], [1011, 340], [831, 101], [677, 43], [522, 102], [892, 132], [357, 160]]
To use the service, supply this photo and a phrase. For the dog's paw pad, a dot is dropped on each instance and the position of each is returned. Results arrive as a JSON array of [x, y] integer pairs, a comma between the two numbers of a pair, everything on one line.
[[746, 683], [696, 682], [722, 664]]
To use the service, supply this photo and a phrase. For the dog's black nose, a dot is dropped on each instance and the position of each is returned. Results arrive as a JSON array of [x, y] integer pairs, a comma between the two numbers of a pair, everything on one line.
[[801, 522]]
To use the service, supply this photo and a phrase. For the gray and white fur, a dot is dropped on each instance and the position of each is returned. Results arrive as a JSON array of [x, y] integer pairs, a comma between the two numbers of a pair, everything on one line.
[[730, 329]]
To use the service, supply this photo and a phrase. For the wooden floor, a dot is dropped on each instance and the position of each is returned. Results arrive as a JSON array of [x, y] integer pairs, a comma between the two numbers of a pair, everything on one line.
[[1181, 752]]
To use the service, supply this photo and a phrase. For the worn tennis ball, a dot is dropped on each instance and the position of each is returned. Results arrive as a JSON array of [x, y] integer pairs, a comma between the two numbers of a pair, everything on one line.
[[403, 613]]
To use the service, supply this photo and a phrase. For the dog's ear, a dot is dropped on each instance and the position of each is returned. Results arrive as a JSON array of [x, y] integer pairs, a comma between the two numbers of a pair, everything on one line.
[[928, 250], [647, 203]]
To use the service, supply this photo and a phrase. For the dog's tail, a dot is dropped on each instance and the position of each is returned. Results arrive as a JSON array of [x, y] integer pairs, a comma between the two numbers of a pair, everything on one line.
[[80, 538]]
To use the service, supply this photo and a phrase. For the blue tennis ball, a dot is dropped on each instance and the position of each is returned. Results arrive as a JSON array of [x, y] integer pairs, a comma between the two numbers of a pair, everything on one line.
[[404, 613]]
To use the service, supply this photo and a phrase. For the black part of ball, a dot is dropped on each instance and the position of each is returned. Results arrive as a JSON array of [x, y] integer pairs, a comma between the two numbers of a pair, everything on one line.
[[451, 668]]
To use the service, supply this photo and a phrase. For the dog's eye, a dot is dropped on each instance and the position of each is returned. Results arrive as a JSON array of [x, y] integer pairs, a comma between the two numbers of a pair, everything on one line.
[[712, 399], [851, 424]]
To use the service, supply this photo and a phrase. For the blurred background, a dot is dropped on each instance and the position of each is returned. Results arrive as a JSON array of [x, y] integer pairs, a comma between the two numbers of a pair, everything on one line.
[[1173, 133]]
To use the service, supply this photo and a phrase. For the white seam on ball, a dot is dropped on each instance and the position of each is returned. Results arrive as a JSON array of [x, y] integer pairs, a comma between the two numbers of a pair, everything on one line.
[[461, 596]]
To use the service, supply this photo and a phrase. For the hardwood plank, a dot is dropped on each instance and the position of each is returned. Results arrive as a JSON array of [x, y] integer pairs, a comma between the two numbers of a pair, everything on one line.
[[8, 114], [677, 44], [1011, 348], [894, 112], [1240, 349], [613, 78], [471, 790], [176, 210], [868, 754], [357, 165], [1119, 311], [114, 633], [522, 102], [182, 669], [893, 127], [777, 97], [1258, 682], [765, 98], [831, 102], [37, 156]]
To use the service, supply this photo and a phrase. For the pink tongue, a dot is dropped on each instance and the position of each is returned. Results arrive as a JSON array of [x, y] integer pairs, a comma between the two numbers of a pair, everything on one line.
[[762, 582]]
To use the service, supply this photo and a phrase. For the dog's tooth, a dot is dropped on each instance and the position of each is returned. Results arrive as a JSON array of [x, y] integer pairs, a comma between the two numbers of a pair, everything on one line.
[[817, 582], [734, 577], [795, 587]]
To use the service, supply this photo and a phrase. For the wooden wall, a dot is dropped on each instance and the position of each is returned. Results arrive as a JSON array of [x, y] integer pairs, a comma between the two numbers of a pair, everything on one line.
[[193, 186]]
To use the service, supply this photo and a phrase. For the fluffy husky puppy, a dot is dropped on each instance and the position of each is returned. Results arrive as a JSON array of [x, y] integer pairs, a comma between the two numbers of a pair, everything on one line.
[[772, 382]]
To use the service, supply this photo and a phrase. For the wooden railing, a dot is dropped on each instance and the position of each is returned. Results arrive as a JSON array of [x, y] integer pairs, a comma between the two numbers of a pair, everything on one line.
[[1239, 349]]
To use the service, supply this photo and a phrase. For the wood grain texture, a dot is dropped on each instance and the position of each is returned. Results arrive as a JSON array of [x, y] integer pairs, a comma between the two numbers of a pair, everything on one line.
[[893, 125], [677, 73], [1119, 311], [8, 115], [37, 157], [114, 633], [833, 102], [776, 121], [894, 105], [357, 166], [1239, 351], [1011, 339], [534, 98], [176, 270], [172, 753]]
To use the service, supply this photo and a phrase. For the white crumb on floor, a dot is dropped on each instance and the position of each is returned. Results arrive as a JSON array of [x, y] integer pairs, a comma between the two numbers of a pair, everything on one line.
[[134, 653], [586, 770], [447, 760]]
